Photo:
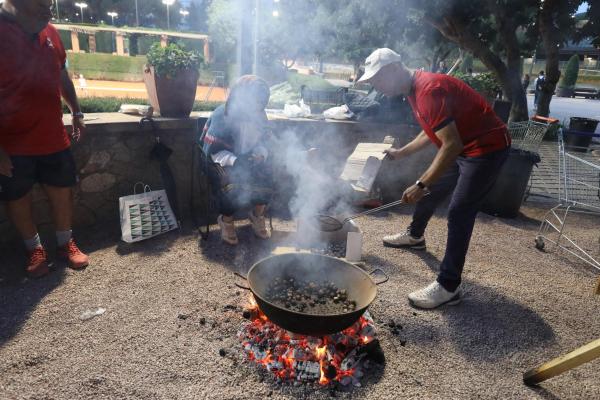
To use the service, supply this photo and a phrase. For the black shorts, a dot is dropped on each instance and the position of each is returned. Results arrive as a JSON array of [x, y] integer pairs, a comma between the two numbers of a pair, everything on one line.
[[57, 169]]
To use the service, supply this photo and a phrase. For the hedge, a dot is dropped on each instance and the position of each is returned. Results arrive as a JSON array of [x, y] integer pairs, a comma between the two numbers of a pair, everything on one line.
[[112, 104]]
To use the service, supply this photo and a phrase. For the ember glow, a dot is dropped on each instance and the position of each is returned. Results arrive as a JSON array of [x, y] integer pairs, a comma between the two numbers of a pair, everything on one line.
[[288, 356]]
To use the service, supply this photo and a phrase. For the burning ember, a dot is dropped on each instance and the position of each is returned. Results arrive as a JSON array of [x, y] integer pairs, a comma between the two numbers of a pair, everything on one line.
[[338, 358]]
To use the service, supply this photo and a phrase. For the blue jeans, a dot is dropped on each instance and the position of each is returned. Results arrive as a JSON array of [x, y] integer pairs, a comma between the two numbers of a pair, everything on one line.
[[469, 180]]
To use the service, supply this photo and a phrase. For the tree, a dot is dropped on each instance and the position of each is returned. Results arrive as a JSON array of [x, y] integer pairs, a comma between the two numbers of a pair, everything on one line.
[[500, 32], [152, 12], [591, 27], [293, 34], [423, 44], [222, 27], [198, 17], [488, 30], [556, 26], [354, 28], [569, 78], [467, 64]]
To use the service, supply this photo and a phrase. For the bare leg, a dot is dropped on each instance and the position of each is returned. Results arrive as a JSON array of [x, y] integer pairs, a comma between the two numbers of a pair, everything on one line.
[[228, 218], [19, 212], [62, 206]]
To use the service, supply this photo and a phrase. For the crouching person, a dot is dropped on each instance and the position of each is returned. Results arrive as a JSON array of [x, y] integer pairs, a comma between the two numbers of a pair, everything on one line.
[[233, 141]]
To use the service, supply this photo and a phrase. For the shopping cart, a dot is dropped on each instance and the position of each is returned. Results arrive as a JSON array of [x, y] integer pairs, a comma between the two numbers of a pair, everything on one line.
[[527, 135], [579, 192]]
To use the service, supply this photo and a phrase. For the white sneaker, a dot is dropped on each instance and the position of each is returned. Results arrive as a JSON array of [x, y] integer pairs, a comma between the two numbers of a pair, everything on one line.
[[404, 240], [434, 296], [227, 231], [259, 226]]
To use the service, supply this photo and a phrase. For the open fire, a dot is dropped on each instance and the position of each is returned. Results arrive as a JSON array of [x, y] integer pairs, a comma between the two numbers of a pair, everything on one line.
[[338, 358]]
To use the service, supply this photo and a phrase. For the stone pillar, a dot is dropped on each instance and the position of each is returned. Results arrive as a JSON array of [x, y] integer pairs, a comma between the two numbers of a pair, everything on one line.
[[92, 42], [120, 38], [206, 51], [164, 40], [75, 42]]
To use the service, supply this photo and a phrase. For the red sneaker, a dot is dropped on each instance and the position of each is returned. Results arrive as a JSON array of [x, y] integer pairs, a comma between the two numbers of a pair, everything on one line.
[[37, 266], [71, 253]]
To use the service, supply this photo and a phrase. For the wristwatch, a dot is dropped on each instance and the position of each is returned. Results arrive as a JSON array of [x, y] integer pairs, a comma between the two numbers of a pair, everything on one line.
[[78, 115], [421, 185]]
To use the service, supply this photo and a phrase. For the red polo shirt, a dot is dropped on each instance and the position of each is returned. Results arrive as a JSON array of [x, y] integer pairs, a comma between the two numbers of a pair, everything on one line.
[[438, 100], [30, 105]]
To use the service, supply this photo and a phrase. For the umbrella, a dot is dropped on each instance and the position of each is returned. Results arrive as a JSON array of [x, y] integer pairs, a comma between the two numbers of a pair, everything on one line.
[[162, 153]]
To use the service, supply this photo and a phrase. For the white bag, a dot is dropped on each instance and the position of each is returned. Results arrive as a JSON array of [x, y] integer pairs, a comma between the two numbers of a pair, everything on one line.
[[145, 215], [341, 112], [296, 111]]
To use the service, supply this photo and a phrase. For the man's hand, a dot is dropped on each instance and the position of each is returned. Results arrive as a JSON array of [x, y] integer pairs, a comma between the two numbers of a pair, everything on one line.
[[394, 153], [78, 128], [413, 194], [6, 166]]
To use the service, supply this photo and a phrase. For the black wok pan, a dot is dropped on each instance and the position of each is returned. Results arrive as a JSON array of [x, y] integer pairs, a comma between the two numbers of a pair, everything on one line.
[[318, 268]]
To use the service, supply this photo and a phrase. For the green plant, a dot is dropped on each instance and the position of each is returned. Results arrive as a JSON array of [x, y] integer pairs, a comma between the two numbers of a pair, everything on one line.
[[485, 83], [569, 78], [314, 82], [170, 60]]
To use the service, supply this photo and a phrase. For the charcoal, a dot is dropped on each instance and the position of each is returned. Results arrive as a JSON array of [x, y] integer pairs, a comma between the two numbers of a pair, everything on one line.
[[294, 359], [330, 372]]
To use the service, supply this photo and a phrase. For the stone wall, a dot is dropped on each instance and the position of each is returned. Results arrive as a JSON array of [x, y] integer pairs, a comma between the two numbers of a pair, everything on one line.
[[115, 154]]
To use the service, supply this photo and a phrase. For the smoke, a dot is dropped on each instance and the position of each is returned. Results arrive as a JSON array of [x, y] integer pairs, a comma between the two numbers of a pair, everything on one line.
[[317, 190]]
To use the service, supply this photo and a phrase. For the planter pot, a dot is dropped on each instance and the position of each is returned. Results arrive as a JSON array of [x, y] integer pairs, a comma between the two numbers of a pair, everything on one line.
[[172, 97], [580, 133], [565, 92], [506, 196]]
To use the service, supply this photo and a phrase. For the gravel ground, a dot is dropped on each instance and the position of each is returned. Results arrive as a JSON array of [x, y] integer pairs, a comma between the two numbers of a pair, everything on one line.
[[171, 306]]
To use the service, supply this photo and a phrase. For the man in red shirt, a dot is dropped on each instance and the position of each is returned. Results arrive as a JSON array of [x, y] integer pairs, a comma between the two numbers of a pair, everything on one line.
[[34, 145], [473, 144]]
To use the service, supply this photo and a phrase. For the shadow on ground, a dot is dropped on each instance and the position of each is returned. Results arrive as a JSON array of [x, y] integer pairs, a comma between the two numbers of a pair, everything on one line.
[[250, 249], [487, 326], [19, 296]]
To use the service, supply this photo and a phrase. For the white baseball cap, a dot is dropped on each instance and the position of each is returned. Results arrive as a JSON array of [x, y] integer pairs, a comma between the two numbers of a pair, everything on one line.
[[377, 60]]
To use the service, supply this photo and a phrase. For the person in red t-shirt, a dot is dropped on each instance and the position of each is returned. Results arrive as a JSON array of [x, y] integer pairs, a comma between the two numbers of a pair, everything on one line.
[[34, 145], [473, 145]]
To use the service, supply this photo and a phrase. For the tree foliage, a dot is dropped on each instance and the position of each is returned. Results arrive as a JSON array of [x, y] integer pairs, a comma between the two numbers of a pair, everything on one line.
[[569, 78], [152, 13]]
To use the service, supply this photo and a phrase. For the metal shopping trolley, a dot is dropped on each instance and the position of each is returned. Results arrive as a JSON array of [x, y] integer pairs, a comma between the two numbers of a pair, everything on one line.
[[579, 192], [528, 135]]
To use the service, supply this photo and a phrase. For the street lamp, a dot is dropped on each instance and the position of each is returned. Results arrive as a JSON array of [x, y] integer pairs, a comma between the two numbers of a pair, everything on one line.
[[113, 15], [137, 15], [185, 13], [168, 3], [81, 7]]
